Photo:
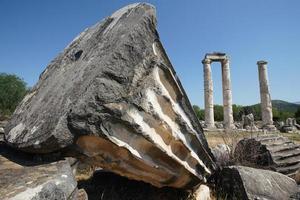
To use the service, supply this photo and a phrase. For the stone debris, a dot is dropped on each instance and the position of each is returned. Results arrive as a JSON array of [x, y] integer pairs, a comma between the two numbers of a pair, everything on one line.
[[222, 154], [238, 182], [113, 97], [2, 126], [290, 126], [25, 181], [202, 193], [248, 122], [271, 151]]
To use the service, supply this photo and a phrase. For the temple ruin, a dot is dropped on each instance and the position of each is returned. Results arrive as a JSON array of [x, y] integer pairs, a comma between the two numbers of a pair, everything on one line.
[[266, 103], [208, 90]]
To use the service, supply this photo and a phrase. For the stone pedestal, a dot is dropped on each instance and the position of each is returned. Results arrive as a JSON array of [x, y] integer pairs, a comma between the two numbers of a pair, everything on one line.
[[266, 103], [208, 94], [227, 95]]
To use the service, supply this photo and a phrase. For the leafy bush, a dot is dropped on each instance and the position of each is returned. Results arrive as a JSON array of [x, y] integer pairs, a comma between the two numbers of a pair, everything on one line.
[[12, 91], [238, 111], [297, 115], [199, 112], [218, 112]]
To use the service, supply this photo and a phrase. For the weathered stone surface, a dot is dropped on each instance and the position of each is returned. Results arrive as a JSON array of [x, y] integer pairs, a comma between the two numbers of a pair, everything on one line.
[[82, 195], [202, 193], [22, 180], [219, 125], [222, 153], [2, 125], [290, 126], [248, 122], [272, 152], [114, 96], [237, 182]]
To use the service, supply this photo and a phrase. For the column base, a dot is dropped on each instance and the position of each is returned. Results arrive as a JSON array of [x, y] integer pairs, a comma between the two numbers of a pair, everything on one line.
[[230, 127], [269, 128], [210, 126]]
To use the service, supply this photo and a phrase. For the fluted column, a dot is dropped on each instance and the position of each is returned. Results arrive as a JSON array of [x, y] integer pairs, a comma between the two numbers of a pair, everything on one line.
[[227, 95], [208, 94], [265, 97]]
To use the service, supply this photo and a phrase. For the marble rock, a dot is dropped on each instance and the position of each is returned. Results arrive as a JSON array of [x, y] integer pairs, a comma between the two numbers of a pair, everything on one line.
[[113, 96]]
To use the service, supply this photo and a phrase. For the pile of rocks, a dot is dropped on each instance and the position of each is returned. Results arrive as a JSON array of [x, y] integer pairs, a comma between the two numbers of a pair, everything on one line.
[[248, 122], [290, 126]]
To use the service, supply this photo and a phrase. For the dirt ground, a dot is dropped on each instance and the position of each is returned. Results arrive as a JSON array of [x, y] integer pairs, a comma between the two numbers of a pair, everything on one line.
[[216, 137]]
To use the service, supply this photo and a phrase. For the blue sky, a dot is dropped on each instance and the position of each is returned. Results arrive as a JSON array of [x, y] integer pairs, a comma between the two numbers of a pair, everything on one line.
[[33, 32]]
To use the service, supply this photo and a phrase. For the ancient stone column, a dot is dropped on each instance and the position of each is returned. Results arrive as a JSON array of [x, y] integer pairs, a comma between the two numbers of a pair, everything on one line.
[[266, 103], [208, 95], [227, 95]]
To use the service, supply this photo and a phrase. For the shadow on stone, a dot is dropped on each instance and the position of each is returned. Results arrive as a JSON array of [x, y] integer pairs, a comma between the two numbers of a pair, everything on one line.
[[108, 186], [27, 159]]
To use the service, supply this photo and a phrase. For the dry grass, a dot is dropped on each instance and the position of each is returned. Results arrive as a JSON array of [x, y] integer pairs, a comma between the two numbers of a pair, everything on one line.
[[231, 138], [293, 136]]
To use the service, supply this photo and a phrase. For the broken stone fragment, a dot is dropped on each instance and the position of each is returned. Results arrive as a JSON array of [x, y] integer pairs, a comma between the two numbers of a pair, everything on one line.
[[48, 181], [222, 154], [202, 193], [237, 182], [113, 97], [273, 152]]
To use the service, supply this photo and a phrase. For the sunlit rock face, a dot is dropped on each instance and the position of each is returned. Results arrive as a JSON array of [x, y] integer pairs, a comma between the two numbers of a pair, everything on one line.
[[114, 96]]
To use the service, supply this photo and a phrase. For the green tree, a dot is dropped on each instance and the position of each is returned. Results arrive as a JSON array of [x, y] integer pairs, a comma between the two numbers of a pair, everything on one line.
[[218, 112], [297, 115], [199, 112], [237, 112], [276, 114], [12, 91]]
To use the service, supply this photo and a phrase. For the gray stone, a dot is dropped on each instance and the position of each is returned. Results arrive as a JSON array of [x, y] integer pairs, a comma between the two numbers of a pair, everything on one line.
[[248, 122], [290, 126], [222, 153], [288, 129], [202, 193], [39, 182], [219, 125], [113, 96], [82, 195], [237, 182], [2, 125], [238, 125], [272, 152], [290, 121]]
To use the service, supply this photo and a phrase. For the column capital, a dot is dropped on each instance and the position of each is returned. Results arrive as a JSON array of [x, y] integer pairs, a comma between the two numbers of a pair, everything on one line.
[[262, 62], [225, 61], [206, 61]]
